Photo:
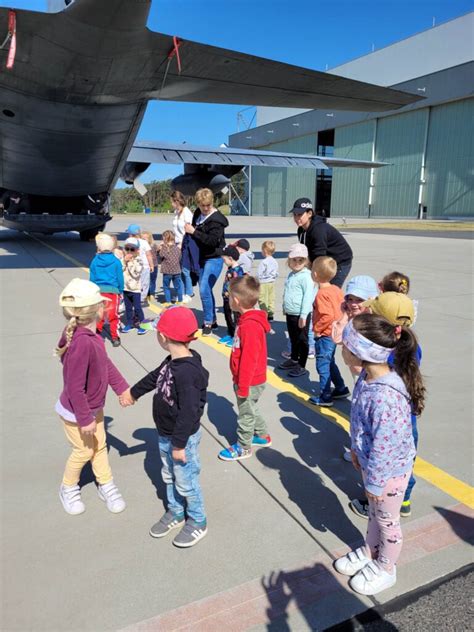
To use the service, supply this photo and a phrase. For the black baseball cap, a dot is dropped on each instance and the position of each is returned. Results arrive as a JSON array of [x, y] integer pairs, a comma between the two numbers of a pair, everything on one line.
[[242, 243], [232, 252], [302, 205]]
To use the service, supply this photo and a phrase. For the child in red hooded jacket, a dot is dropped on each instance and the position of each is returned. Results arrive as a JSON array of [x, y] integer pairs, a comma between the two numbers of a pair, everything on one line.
[[248, 364]]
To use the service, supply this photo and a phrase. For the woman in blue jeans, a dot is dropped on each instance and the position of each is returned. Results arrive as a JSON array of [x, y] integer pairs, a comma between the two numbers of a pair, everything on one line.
[[207, 229]]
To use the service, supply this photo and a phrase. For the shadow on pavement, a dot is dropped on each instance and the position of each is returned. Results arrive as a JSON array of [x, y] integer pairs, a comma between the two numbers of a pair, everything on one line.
[[222, 415], [463, 526]]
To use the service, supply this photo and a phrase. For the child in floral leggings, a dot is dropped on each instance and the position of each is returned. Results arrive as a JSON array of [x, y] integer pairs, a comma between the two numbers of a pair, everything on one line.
[[382, 445]]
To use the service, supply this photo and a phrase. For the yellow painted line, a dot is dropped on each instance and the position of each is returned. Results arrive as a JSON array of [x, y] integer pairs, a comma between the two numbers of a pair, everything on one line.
[[462, 492]]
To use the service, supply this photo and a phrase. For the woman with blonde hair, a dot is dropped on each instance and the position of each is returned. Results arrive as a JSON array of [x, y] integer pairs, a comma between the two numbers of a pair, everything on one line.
[[207, 228], [87, 373]]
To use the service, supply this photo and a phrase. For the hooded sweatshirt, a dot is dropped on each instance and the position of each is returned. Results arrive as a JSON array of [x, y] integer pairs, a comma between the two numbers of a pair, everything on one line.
[[209, 234], [322, 239], [180, 387], [248, 360], [246, 261], [381, 431], [106, 272]]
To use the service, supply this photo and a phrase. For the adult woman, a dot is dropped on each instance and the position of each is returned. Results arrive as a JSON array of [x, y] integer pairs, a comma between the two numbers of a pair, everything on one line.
[[182, 216], [322, 239], [207, 228]]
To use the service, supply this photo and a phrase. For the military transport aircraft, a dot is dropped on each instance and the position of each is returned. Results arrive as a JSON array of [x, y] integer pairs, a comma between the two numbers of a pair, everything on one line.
[[74, 86]]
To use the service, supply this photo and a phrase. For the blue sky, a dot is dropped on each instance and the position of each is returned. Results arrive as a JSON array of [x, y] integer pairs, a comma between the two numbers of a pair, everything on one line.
[[311, 33]]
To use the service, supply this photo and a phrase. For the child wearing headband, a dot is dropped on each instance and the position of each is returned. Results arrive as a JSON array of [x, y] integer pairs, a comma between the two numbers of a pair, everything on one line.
[[381, 441]]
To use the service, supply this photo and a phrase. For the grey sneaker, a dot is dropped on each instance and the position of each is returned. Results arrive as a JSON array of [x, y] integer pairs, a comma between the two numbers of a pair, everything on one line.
[[165, 524], [288, 364], [190, 534], [298, 371]]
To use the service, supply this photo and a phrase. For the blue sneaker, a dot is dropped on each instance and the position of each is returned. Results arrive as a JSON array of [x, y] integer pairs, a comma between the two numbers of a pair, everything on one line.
[[261, 441], [127, 328], [141, 331], [230, 343], [235, 452], [318, 401], [224, 340]]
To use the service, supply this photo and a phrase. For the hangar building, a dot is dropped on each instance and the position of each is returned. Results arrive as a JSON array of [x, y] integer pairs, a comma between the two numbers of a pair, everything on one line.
[[429, 145]]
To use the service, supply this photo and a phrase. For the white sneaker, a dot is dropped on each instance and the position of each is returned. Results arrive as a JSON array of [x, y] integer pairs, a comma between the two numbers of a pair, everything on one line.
[[70, 496], [372, 579], [187, 298], [351, 563], [347, 456], [110, 494]]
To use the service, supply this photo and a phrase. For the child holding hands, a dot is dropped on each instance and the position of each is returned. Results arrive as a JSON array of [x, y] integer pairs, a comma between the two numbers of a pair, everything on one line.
[[87, 373]]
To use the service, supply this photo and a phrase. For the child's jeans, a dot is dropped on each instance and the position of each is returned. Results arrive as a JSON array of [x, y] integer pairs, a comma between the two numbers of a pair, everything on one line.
[[153, 277], [384, 535], [187, 282], [412, 481], [133, 308], [182, 479], [86, 448], [177, 284], [327, 368], [110, 314], [250, 420], [266, 300], [231, 318]]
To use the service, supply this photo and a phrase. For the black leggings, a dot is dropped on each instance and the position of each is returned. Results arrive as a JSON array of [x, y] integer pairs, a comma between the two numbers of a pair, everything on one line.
[[231, 318], [298, 339]]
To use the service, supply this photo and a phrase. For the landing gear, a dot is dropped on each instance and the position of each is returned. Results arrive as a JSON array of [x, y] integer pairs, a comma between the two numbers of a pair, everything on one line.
[[89, 235]]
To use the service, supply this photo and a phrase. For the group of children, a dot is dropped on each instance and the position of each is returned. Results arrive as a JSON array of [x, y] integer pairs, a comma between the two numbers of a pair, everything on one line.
[[378, 345]]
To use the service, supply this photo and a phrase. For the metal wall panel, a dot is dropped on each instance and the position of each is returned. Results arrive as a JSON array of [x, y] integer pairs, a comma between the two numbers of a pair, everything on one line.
[[350, 187], [275, 189], [449, 190], [400, 141]]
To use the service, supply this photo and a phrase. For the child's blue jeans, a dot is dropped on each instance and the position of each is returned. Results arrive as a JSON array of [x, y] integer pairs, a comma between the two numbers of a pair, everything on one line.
[[412, 481], [177, 284], [182, 479], [327, 368]]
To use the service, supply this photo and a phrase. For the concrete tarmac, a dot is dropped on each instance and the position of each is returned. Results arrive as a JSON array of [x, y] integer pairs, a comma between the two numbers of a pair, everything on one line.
[[277, 520]]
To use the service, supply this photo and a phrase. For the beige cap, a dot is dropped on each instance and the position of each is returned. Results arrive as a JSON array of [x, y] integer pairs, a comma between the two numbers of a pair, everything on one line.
[[298, 250], [81, 293], [397, 308], [104, 242]]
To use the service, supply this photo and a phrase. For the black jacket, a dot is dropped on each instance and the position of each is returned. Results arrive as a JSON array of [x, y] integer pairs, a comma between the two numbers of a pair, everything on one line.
[[322, 239], [180, 396], [209, 235]]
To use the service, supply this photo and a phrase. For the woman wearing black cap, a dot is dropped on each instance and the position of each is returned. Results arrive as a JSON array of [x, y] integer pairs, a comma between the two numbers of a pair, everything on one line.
[[322, 239]]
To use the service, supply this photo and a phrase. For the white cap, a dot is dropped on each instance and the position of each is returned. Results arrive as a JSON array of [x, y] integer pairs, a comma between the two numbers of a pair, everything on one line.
[[133, 241], [104, 242], [81, 293], [298, 250]]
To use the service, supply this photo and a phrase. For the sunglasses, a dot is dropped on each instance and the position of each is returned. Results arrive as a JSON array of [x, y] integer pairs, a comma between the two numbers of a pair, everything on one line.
[[130, 249]]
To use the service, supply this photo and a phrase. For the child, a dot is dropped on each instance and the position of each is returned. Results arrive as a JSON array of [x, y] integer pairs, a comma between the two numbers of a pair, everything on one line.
[[399, 310], [132, 274], [234, 270], [327, 309], [297, 303], [381, 441], [246, 255], [395, 282], [248, 364], [106, 272], [87, 372], [148, 237], [117, 250], [359, 289], [170, 255], [134, 231], [179, 385], [267, 275]]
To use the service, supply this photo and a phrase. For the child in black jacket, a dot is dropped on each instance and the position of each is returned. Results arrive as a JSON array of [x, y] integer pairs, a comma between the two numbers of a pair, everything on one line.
[[180, 385]]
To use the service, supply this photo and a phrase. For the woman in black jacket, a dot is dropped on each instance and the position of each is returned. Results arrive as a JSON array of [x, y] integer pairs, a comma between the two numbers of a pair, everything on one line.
[[207, 229]]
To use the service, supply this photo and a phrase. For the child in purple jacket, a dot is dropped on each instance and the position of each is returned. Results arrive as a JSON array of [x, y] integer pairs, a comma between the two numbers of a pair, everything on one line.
[[381, 441], [87, 373]]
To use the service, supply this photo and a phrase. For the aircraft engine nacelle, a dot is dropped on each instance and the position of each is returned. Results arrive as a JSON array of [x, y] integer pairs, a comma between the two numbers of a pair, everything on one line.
[[197, 176], [132, 170]]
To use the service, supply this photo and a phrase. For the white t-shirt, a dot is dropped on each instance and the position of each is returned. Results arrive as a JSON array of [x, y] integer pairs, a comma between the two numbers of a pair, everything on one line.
[[144, 248], [179, 220]]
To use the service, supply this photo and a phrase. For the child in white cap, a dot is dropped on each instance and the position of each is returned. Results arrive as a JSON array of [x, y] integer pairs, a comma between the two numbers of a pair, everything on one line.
[[87, 373], [297, 305]]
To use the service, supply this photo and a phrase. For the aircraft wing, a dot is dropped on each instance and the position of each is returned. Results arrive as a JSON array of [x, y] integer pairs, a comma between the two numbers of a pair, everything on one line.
[[178, 153], [218, 75]]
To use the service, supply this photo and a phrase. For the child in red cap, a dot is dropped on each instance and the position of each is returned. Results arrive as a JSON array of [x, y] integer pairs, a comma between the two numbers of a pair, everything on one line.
[[180, 391]]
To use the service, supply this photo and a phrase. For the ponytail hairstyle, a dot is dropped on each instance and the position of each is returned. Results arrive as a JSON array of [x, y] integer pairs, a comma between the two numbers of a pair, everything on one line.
[[76, 316], [404, 342], [395, 282]]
